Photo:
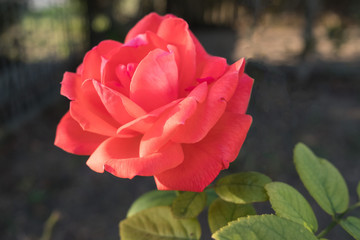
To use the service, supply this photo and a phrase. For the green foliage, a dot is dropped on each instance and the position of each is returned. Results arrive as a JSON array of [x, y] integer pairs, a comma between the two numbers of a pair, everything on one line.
[[189, 204], [171, 215], [289, 203], [245, 187], [152, 199], [222, 212], [352, 226], [269, 227], [358, 190], [323, 181], [158, 223]]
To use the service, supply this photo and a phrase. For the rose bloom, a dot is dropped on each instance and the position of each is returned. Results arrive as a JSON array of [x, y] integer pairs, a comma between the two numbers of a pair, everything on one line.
[[157, 105]]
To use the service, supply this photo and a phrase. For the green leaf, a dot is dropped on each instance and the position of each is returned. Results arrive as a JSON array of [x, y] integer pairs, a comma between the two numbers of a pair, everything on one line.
[[358, 190], [289, 203], [189, 204], [211, 196], [152, 199], [158, 223], [269, 227], [323, 181], [222, 212], [245, 187], [352, 226]]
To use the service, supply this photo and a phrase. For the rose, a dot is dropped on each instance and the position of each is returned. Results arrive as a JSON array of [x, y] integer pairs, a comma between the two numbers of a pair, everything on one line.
[[157, 105]]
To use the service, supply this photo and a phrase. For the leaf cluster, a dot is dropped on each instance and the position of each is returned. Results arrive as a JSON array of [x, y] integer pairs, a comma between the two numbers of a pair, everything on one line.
[[231, 215]]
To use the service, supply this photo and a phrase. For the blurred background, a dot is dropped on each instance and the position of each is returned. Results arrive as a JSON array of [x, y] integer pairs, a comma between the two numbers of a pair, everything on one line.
[[303, 54]]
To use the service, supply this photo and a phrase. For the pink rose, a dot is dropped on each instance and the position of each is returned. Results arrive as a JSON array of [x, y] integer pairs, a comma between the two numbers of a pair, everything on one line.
[[157, 105]]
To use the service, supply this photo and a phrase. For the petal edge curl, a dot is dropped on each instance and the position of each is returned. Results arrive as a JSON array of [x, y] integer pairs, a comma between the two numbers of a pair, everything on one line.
[[73, 139], [120, 157]]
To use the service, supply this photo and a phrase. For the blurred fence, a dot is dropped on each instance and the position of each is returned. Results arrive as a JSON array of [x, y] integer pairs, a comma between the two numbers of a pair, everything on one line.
[[39, 39]]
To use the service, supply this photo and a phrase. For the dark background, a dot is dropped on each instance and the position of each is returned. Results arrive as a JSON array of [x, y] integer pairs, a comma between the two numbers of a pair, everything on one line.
[[304, 56]]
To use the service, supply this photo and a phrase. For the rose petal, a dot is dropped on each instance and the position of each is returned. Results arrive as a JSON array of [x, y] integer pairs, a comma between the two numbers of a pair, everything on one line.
[[164, 126], [107, 48], [129, 54], [113, 148], [168, 157], [210, 111], [213, 67], [134, 53], [73, 139], [175, 31], [156, 41], [207, 65], [119, 156], [92, 65], [199, 92], [70, 85], [124, 74], [138, 41], [150, 22], [121, 108], [200, 51], [144, 123], [90, 113], [80, 68], [160, 133], [240, 100], [154, 83], [204, 160], [96, 58]]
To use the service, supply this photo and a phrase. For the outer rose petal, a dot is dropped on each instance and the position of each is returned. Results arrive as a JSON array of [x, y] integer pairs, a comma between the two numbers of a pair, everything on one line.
[[120, 157], [204, 160], [210, 111], [72, 138], [70, 85], [155, 81], [240, 100], [80, 68], [92, 65], [90, 113]]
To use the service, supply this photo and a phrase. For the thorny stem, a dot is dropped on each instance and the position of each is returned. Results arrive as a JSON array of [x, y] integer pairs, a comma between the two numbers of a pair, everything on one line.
[[336, 220]]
